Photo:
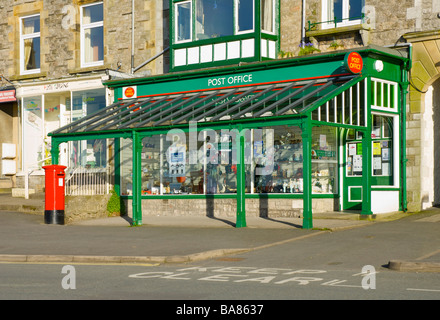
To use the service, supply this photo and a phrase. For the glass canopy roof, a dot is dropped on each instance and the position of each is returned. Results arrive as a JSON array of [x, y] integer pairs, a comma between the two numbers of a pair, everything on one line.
[[266, 100]]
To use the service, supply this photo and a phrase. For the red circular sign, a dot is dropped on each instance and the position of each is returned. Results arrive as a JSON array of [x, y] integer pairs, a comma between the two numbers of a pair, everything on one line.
[[129, 92], [354, 62]]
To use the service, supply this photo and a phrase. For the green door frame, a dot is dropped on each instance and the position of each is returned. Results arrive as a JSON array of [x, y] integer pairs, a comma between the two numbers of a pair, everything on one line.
[[137, 179], [306, 127]]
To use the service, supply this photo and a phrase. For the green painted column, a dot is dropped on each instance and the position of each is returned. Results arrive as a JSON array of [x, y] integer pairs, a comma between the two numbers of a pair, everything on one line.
[[241, 181], [137, 182], [117, 157], [366, 173], [307, 173], [55, 151]]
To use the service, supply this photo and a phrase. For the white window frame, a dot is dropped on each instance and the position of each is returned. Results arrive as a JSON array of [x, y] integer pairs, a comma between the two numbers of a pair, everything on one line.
[[236, 32], [24, 37], [89, 26], [237, 19], [176, 20], [345, 15]]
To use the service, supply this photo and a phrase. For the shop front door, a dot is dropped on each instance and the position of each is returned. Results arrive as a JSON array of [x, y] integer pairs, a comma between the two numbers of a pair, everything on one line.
[[352, 176]]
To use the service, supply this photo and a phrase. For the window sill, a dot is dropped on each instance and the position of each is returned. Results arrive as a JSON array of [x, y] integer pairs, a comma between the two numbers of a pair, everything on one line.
[[89, 69], [29, 76], [339, 30]]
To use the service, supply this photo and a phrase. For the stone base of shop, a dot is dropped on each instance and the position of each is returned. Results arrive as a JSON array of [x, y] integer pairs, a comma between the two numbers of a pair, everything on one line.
[[36, 181], [264, 207], [78, 208]]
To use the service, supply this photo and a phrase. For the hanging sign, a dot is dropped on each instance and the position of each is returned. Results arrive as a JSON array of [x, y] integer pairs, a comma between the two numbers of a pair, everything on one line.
[[353, 62], [129, 92], [7, 96]]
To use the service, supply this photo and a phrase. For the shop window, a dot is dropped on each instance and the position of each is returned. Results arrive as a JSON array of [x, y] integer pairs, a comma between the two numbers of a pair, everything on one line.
[[33, 132], [87, 102], [126, 168], [30, 44], [171, 164], [382, 145], [88, 153], [341, 13], [324, 160], [92, 35], [382, 150], [42, 116], [285, 173]]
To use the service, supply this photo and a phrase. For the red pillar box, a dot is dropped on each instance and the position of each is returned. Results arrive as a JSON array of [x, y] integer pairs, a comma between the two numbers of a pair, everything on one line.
[[54, 206]]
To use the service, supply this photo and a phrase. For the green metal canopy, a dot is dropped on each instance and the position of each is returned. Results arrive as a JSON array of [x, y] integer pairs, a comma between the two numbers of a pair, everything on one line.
[[266, 100], [337, 100], [274, 92]]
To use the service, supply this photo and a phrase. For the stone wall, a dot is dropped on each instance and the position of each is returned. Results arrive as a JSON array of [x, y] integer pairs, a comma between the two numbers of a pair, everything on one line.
[[36, 182], [210, 207], [60, 36], [422, 121], [385, 24], [85, 207]]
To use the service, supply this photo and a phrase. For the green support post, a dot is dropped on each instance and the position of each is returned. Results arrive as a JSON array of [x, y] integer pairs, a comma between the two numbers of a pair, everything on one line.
[[366, 173], [307, 172], [241, 180], [55, 151], [117, 157], [137, 182]]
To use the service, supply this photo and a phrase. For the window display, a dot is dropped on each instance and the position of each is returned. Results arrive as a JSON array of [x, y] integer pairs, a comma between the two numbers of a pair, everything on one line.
[[324, 160], [286, 171], [172, 164], [382, 145], [43, 114], [382, 149], [90, 153], [33, 132]]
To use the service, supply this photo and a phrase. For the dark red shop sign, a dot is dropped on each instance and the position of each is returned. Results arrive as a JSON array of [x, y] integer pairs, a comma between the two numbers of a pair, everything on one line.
[[7, 96]]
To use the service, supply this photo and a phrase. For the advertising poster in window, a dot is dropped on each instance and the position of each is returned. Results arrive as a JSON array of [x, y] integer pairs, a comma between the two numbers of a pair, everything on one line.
[[177, 156]]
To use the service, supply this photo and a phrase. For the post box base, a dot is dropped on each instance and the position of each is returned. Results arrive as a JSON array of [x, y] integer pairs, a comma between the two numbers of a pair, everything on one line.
[[54, 216]]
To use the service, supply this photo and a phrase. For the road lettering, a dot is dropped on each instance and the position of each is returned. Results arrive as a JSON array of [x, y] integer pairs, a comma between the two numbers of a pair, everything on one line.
[[277, 276]]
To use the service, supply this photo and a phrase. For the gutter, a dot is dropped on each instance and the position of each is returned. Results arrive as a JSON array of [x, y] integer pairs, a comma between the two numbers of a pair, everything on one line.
[[407, 65]]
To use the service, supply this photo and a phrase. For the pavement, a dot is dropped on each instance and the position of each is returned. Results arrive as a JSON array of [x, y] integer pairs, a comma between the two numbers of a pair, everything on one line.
[[165, 239]]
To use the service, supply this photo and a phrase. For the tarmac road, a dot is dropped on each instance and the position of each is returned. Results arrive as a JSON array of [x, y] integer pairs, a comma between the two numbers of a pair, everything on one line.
[[25, 238], [209, 259]]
